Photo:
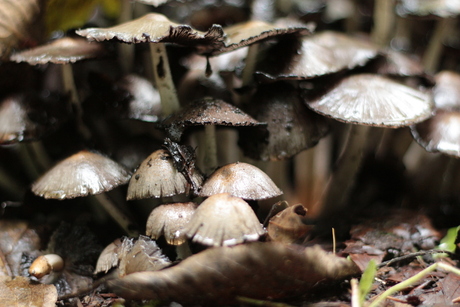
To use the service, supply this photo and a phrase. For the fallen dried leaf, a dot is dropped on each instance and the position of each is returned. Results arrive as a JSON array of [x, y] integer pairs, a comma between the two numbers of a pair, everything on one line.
[[256, 270], [20, 291]]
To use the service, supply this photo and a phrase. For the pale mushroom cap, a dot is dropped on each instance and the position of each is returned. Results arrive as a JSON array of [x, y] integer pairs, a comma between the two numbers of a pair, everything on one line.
[[320, 54], [373, 100], [84, 173], [108, 258], [154, 28], [61, 51], [223, 220], [169, 220], [447, 90], [441, 133], [157, 177], [241, 180]]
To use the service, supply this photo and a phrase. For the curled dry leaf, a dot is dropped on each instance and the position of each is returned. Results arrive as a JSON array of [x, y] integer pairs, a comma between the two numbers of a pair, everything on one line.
[[16, 18], [256, 270], [287, 226], [19, 291]]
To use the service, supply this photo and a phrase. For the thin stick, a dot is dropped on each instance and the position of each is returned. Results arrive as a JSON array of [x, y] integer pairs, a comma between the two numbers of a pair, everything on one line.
[[355, 295], [163, 78], [408, 282], [433, 53]]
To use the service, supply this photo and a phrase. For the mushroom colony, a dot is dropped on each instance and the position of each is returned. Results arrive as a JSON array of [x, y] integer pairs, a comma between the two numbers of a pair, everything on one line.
[[171, 127]]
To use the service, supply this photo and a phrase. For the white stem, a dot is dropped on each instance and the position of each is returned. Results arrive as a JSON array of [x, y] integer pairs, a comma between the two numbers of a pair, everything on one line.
[[342, 180], [112, 209], [163, 78], [210, 153], [433, 52]]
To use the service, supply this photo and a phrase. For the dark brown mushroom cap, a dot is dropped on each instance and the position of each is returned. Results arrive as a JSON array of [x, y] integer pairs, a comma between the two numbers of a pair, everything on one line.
[[169, 220], [441, 8], [84, 173], [157, 177], [447, 90], [155, 28], [291, 126], [255, 31], [60, 51], [207, 111], [241, 180], [373, 100], [320, 54], [441, 133], [223, 220]]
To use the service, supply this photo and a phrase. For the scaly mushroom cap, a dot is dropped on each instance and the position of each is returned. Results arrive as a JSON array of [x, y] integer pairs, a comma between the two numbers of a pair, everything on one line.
[[169, 220], [241, 180], [84, 173], [372, 100], [207, 111], [60, 51], [108, 258], [223, 220], [157, 177], [320, 54]]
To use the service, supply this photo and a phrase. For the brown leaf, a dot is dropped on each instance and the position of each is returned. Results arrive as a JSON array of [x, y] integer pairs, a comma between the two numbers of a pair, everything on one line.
[[20, 291], [16, 18], [218, 275]]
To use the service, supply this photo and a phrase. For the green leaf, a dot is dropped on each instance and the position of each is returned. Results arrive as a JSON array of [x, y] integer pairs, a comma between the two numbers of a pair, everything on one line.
[[367, 279], [448, 242]]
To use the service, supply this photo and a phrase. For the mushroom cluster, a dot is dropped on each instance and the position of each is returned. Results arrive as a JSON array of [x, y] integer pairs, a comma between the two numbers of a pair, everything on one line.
[[187, 120]]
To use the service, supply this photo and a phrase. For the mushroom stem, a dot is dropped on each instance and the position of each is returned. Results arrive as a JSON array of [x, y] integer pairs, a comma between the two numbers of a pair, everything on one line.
[[163, 78], [69, 87], [126, 51], [248, 70], [433, 52], [342, 180], [121, 218], [210, 151], [183, 251], [384, 18]]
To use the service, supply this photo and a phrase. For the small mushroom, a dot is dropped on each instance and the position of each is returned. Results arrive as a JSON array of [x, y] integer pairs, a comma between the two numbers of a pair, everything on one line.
[[158, 177], [169, 220], [223, 220], [240, 180], [82, 174]]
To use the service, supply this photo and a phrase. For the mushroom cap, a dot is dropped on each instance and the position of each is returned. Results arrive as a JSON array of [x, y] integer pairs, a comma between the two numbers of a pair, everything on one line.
[[108, 258], [223, 220], [84, 173], [155, 28], [447, 90], [441, 8], [207, 111], [157, 177], [399, 64], [169, 220], [255, 31], [241, 180], [60, 51], [291, 126], [441, 133], [320, 54], [373, 100]]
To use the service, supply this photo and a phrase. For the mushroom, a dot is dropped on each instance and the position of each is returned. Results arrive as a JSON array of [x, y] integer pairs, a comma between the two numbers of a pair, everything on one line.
[[157, 29], [64, 51], [364, 100], [223, 220], [207, 112], [158, 177], [240, 180], [82, 174]]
